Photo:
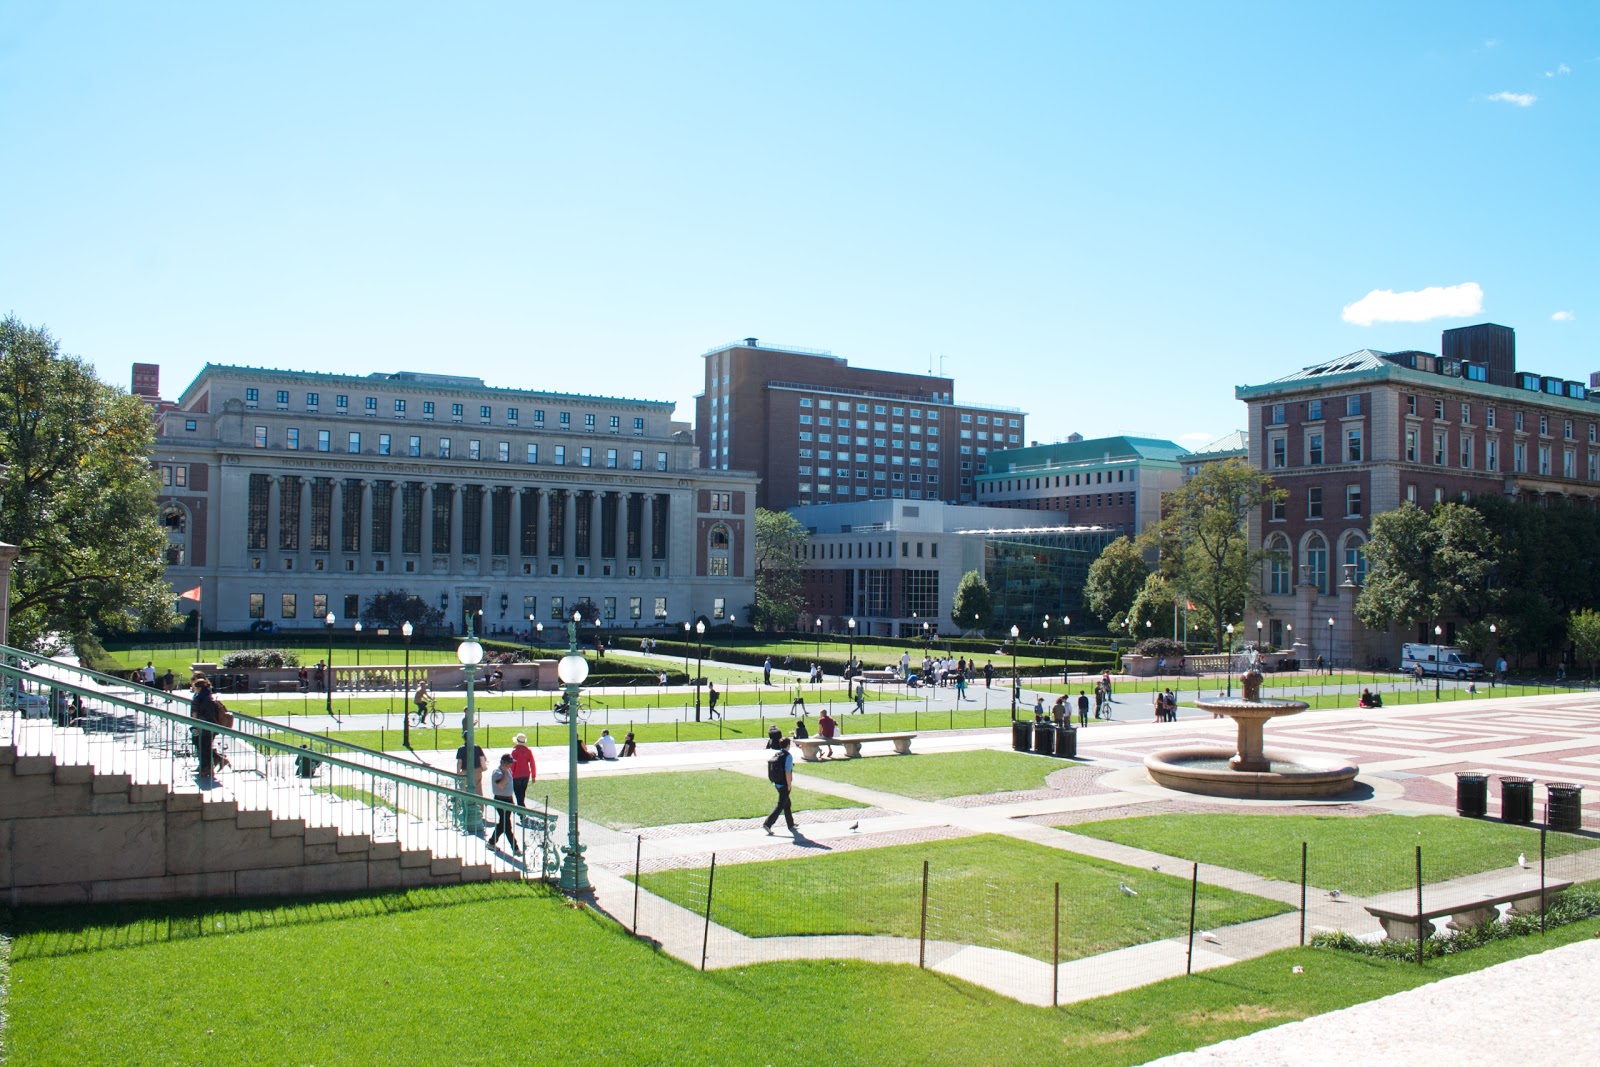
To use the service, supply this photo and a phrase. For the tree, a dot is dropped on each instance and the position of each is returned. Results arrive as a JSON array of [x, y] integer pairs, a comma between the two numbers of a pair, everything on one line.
[[972, 608], [1424, 565], [393, 608], [1583, 630], [78, 495], [1153, 605], [780, 596], [1204, 542], [1114, 581]]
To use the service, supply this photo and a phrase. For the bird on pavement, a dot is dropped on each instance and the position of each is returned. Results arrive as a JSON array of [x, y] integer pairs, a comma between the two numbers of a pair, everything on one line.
[[855, 826], [1522, 859], [1156, 867], [1125, 890], [1335, 894], [1207, 935]]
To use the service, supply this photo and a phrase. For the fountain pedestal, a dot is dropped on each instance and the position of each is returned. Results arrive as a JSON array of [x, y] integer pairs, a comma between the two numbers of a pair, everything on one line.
[[1250, 771]]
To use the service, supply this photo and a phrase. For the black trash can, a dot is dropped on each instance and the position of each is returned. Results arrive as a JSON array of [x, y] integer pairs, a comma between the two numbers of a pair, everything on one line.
[[1564, 806], [1472, 794], [1044, 738], [1516, 799], [1067, 742], [1022, 735]]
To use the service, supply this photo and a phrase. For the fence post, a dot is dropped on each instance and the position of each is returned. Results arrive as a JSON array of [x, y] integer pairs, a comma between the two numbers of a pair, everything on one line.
[[1419, 906], [705, 937], [638, 853], [1543, 830], [1194, 893], [1302, 894], [922, 935], [1055, 956]]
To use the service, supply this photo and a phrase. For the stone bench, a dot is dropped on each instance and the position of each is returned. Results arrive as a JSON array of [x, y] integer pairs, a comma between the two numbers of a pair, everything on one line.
[[1467, 905], [851, 743], [883, 677]]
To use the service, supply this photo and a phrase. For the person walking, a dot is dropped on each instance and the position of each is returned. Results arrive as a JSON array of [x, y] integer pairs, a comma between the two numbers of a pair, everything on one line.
[[504, 786], [480, 763], [204, 706], [861, 697], [523, 770], [988, 674], [715, 696], [766, 672], [799, 700], [780, 772], [961, 687]]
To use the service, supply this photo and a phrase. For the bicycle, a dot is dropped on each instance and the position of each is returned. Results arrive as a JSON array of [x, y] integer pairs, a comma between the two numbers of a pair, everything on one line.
[[428, 714]]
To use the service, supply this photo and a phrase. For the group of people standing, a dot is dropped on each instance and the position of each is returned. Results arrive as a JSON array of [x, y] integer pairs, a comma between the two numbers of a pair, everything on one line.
[[1166, 705]]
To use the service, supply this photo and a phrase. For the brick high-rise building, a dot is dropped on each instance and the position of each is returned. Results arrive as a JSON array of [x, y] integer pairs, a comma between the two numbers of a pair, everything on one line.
[[1355, 436], [819, 431]]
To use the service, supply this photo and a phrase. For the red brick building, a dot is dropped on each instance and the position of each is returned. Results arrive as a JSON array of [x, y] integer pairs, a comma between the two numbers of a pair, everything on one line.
[[819, 431], [1355, 436]]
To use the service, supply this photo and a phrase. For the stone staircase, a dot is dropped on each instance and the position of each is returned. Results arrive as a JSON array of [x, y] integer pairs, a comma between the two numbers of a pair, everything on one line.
[[70, 833]]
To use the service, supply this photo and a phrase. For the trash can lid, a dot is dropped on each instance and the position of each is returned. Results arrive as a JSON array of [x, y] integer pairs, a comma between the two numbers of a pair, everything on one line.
[[1564, 787], [1515, 779], [1472, 775]]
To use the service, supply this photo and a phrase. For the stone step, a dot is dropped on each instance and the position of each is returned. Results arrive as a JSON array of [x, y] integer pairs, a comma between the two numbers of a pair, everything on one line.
[[112, 783], [212, 810], [415, 857], [506, 876], [254, 820], [288, 828], [74, 774], [476, 872], [142, 793], [34, 765], [8, 755], [445, 866]]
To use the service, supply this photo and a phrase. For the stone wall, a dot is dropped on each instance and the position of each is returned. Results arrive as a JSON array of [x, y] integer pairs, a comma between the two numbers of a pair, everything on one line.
[[69, 836]]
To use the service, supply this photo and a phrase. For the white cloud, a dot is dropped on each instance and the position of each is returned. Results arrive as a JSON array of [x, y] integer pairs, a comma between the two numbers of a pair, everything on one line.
[[1561, 69], [1434, 302], [1561, 316], [1520, 99]]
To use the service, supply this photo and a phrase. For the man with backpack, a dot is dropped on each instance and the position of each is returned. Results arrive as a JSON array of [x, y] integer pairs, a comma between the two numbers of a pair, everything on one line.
[[780, 772]]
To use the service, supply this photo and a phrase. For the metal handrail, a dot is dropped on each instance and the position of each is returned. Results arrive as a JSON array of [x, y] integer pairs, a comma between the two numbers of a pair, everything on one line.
[[316, 741], [451, 819]]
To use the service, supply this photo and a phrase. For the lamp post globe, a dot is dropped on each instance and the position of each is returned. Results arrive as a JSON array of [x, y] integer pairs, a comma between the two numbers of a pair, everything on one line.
[[331, 621], [851, 626], [573, 669]]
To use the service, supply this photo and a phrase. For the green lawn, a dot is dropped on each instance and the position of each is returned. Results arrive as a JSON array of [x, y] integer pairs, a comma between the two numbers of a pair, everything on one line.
[[935, 776], [376, 980], [628, 801], [1360, 855], [991, 891]]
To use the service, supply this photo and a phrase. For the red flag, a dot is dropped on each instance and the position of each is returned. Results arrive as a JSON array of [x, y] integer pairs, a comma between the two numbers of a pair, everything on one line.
[[192, 594], [1189, 604]]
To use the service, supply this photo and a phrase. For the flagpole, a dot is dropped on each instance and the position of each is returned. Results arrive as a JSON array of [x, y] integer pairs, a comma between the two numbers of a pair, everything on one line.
[[197, 624]]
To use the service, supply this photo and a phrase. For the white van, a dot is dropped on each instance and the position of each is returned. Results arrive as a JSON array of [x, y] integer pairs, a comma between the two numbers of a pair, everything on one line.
[[1447, 660]]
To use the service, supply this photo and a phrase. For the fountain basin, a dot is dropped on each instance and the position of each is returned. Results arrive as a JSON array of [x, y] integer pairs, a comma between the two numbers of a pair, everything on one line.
[[1283, 775]]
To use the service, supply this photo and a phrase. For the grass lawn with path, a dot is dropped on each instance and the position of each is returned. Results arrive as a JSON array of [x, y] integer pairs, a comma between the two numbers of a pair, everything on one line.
[[629, 801], [377, 980], [937, 775], [988, 890], [1363, 854]]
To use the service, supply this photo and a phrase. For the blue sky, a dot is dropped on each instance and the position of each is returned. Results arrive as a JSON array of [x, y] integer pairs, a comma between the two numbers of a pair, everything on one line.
[[1107, 215]]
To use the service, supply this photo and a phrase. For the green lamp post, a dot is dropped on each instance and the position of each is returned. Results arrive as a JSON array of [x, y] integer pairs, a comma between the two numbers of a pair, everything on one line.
[[470, 653], [572, 670]]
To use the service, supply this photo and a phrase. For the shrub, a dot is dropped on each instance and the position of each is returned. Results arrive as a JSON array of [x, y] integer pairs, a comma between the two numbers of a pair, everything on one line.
[[1158, 646], [258, 659]]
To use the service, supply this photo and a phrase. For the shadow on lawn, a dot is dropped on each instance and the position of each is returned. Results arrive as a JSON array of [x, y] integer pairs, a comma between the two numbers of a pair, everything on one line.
[[49, 931]]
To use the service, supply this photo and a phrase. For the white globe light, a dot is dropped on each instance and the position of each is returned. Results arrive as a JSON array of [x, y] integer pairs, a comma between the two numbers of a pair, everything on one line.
[[470, 653], [406, 630], [700, 627], [572, 669]]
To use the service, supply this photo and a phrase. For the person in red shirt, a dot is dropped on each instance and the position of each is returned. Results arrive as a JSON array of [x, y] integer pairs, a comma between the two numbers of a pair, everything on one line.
[[522, 769]]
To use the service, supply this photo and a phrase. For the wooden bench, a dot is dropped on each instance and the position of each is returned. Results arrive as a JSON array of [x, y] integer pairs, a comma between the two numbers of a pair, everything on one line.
[[1467, 905], [851, 743]]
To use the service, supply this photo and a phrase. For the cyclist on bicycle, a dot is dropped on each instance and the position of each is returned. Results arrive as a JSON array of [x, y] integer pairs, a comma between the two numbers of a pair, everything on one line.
[[422, 699]]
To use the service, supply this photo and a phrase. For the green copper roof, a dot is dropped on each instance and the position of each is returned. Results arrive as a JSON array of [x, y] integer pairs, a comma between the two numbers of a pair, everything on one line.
[[1073, 453]]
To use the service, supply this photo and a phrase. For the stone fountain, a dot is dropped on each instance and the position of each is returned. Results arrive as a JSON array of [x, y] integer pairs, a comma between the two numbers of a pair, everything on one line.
[[1250, 771]]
